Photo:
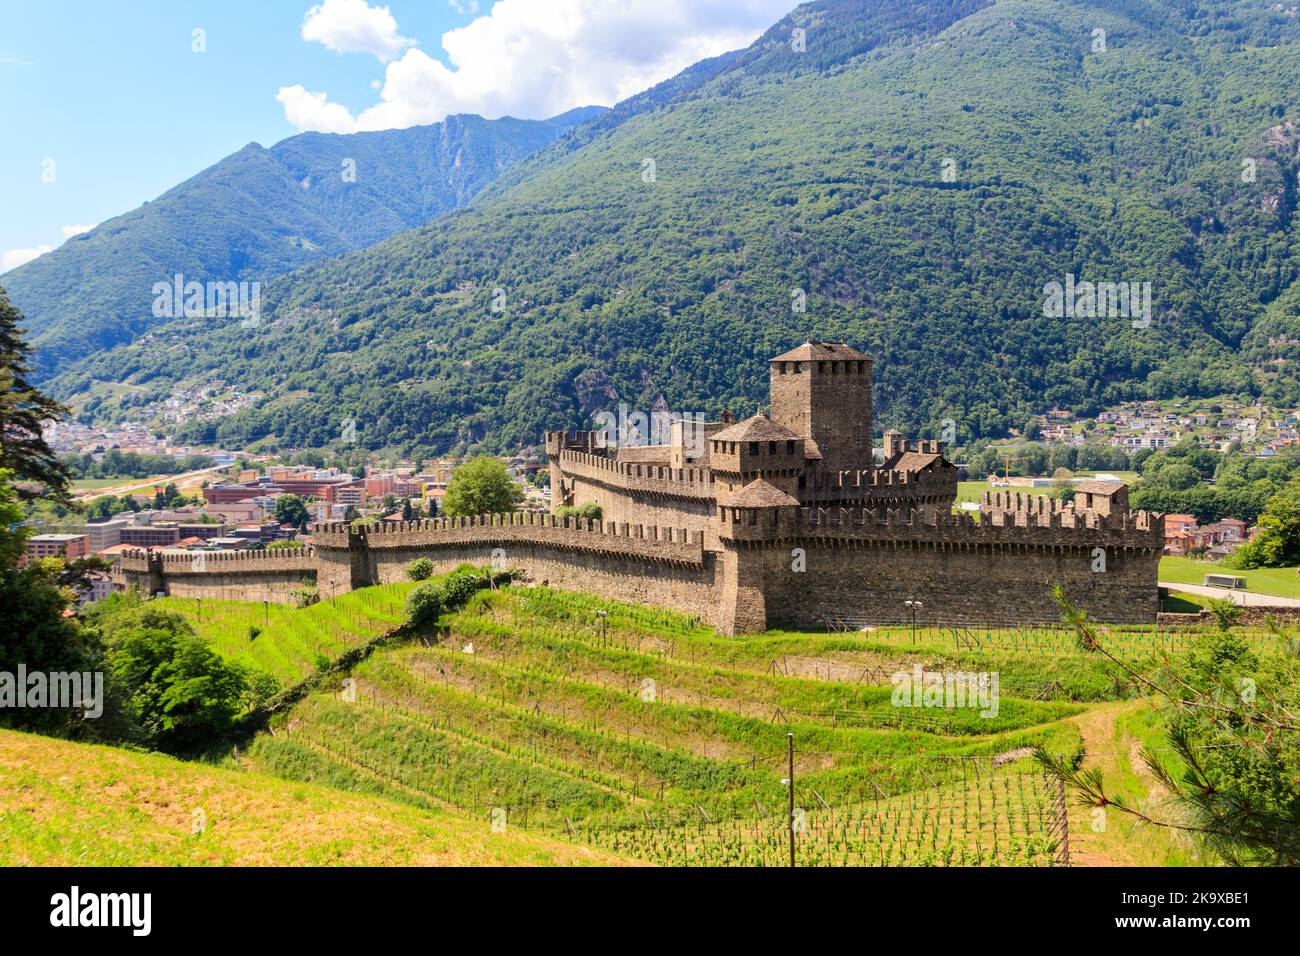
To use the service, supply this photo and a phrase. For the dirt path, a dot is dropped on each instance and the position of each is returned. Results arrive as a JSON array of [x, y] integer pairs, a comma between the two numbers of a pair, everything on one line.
[[1087, 847]]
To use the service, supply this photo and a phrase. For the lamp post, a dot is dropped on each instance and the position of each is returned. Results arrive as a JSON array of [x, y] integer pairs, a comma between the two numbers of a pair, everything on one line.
[[913, 606], [601, 615]]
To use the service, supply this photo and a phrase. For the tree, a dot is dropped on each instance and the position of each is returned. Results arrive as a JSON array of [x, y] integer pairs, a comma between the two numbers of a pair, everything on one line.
[[1277, 544], [424, 604], [36, 471], [1178, 475], [290, 509], [33, 628], [481, 486], [408, 514], [1230, 724], [181, 693]]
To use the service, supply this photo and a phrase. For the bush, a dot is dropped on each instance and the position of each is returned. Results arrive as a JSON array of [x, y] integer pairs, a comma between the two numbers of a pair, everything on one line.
[[420, 569], [305, 594], [460, 587], [590, 510], [424, 604]]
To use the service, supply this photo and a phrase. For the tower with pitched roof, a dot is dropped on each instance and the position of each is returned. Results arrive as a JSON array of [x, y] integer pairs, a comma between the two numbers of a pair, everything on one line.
[[822, 391]]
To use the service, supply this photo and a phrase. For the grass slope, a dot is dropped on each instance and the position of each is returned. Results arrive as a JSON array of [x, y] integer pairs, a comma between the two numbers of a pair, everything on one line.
[[1282, 582], [70, 804]]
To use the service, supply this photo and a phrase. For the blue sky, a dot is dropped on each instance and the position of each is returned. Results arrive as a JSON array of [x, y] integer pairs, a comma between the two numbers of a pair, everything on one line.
[[117, 97], [113, 93]]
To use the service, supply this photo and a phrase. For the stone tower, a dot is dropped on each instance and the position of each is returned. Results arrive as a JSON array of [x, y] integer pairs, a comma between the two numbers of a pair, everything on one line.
[[822, 391]]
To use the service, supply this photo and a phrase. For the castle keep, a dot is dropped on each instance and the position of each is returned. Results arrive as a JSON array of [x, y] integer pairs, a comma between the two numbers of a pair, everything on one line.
[[780, 520]]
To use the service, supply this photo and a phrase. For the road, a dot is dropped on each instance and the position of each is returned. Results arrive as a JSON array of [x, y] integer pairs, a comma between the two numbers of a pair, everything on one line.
[[1247, 598]]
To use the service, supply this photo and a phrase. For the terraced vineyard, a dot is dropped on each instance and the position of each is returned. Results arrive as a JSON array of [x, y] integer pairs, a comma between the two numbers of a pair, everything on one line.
[[288, 642], [1131, 641], [645, 733], [1003, 820]]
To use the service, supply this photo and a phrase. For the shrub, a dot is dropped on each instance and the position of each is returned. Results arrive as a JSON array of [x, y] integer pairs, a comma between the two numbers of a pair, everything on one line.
[[420, 569], [305, 594], [460, 587], [590, 510], [424, 604]]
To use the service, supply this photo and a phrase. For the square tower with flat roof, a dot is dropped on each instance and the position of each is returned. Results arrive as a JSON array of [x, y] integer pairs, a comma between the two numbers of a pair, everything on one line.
[[822, 391]]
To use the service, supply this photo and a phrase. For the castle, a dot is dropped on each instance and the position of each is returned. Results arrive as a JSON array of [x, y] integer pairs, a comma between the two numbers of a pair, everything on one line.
[[780, 520]]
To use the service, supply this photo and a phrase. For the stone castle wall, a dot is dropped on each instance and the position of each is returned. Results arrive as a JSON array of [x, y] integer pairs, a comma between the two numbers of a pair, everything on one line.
[[644, 564], [869, 581], [811, 564], [857, 564], [221, 575]]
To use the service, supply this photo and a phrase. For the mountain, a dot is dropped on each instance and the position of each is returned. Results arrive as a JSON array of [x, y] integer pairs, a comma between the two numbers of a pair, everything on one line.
[[919, 176], [259, 213]]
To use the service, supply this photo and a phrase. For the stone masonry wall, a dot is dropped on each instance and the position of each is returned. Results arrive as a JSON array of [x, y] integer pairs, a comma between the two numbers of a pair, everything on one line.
[[869, 581], [858, 564], [667, 567], [234, 576]]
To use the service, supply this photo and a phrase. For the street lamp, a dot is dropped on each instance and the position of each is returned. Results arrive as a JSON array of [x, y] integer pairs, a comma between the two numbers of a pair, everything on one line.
[[913, 606], [601, 615]]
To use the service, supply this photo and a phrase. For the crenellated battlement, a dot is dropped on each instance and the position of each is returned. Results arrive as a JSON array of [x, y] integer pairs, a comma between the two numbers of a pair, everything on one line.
[[1022, 503], [218, 562], [577, 440], [879, 483], [273, 575], [645, 542], [1045, 529], [637, 476]]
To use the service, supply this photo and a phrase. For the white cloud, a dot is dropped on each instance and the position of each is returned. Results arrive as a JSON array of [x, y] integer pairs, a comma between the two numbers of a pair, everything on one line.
[[536, 58], [70, 231], [308, 110], [14, 258], [353, 26]]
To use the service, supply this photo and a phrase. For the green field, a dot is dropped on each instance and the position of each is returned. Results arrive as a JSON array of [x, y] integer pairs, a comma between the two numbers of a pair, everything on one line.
[[973, 490], [1130, 478], [93, 484], [1282, 582]]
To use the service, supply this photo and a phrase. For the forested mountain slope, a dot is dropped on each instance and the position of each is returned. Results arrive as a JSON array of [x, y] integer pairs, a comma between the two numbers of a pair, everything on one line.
[[921, 172], [260, 213]]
